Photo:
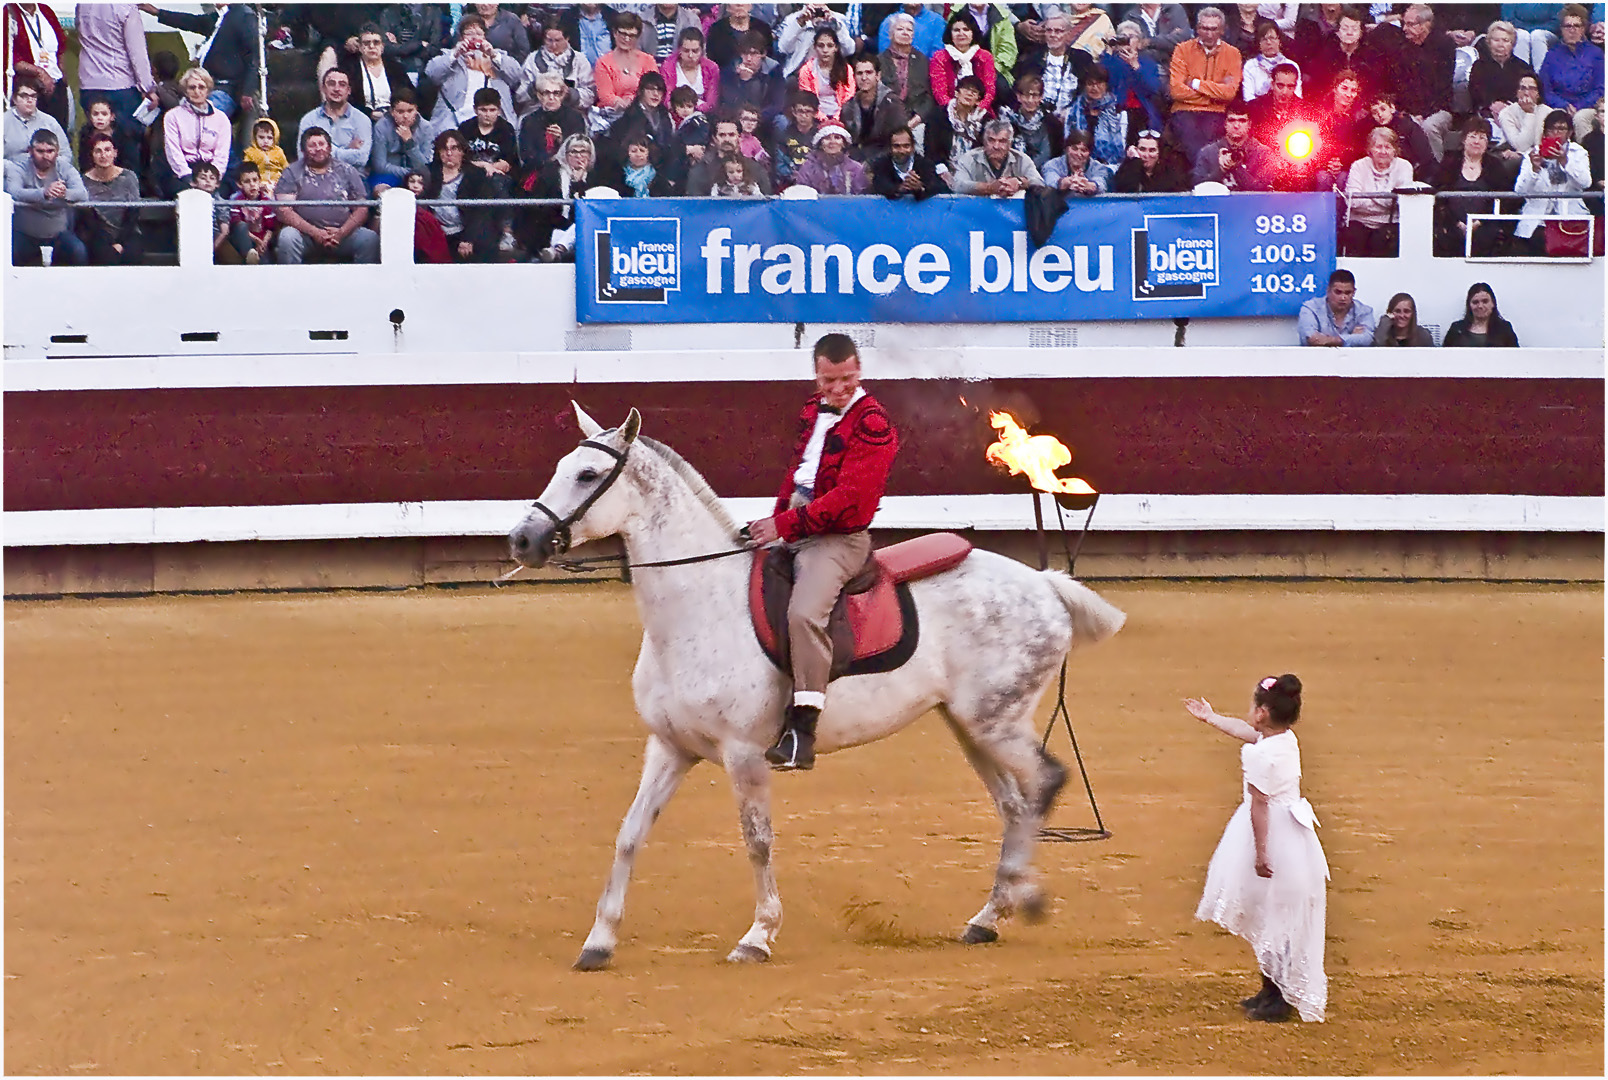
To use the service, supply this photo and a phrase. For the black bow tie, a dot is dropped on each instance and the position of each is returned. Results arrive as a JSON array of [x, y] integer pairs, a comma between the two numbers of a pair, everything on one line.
[[833, 409]]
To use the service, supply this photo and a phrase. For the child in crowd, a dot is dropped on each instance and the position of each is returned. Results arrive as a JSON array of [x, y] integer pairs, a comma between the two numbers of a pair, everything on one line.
[[797, 139], [101, 120], [1268, 876], [264, 152], [251, 225], [1039, 134], [691, 138], [734, 182], [429, 238], [204, 176], [750, 144], [493, 147]]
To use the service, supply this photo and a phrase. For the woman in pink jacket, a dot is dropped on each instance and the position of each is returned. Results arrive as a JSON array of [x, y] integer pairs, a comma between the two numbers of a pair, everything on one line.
[[194, 131], [826, 75], [690, 67], [962, 55]]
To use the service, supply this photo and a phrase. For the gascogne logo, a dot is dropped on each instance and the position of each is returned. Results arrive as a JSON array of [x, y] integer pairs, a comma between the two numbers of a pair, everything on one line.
[[1175, 257], [638, 260]]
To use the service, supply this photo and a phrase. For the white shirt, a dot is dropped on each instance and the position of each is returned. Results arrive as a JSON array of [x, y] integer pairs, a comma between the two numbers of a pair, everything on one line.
[[378, 93], [804, 475]]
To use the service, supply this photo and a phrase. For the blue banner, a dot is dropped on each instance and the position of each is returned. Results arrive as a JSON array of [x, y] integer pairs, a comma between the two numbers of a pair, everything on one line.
[[963, 259]]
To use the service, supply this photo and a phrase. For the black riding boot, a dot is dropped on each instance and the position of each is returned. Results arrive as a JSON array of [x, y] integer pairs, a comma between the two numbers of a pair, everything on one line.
[[1261, 995], [795, 748]]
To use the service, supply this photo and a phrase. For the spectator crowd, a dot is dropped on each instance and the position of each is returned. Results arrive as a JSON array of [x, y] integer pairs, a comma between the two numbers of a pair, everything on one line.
[[479, 107]]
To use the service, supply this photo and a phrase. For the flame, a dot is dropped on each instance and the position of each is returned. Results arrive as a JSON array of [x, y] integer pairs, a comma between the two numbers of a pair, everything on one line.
[[1036, 455]]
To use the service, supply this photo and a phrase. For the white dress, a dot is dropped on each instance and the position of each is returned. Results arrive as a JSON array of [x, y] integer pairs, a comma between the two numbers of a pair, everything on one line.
[[1282, 916]]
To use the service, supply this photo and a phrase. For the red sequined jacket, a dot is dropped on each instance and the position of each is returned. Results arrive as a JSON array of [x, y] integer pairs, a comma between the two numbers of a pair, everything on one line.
[[852, 476]]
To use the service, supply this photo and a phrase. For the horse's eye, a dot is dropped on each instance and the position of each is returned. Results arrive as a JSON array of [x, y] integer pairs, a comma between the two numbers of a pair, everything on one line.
[[587, 476]]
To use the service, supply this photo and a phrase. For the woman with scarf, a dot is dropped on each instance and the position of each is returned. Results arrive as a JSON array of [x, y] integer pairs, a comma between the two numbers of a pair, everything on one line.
[[826, 75], [1095, 111], [959, 127], [551, 229], [639, 177], [1371, 229], [1257, 76], [195, 131], [962, 55]]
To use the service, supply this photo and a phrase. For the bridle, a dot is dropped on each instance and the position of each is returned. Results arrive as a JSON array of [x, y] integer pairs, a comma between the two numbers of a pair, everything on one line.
[[561, 525]]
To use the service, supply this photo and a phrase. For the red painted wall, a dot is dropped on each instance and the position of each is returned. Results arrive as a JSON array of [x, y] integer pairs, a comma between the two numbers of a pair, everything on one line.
[[270, 446]]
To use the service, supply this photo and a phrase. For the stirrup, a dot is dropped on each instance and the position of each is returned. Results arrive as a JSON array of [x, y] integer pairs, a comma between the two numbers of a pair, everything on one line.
[[792, 752]]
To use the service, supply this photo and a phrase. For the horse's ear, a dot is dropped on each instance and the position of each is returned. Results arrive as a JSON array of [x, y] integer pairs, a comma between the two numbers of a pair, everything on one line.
[[589, 427], [632, 425]]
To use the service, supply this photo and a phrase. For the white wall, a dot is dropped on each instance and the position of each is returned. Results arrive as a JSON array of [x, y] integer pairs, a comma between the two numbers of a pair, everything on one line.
[[142, 311]]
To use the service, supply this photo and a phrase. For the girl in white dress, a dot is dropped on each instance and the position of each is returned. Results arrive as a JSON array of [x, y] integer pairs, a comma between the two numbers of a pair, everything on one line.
[[1268, 876]]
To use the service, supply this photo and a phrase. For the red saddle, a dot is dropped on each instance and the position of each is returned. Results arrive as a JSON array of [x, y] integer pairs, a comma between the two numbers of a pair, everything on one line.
[[874, 625]]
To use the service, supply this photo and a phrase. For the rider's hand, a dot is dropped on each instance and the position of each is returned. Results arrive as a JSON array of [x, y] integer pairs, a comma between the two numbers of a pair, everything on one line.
[[764, 531]]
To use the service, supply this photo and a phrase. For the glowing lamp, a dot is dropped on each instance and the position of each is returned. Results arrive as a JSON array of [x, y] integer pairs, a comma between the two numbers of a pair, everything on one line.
[[1299, 144]]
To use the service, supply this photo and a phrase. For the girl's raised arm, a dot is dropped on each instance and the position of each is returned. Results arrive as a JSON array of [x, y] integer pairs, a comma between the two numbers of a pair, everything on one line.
[[1201, 710]]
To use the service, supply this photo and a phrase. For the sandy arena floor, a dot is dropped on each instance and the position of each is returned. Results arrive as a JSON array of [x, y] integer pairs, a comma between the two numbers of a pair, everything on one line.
[[363, 833]]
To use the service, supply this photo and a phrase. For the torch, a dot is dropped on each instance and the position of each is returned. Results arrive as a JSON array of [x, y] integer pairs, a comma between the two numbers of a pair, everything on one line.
[[1037, 457]]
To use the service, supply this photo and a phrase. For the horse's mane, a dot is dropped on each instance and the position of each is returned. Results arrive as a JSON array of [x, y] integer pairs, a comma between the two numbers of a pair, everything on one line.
[[700, 487]]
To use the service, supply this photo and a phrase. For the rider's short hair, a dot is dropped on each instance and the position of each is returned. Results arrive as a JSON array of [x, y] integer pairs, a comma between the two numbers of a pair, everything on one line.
[[836, 348]]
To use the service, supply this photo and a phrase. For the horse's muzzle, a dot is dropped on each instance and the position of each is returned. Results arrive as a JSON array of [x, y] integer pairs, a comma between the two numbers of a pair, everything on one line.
[[532, 543]]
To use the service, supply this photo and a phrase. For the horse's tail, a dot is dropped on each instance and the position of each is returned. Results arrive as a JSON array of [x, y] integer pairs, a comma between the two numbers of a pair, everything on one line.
[[1093, 618]]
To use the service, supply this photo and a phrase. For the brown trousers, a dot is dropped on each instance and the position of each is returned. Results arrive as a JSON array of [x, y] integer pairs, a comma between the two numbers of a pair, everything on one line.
[[822, 566]]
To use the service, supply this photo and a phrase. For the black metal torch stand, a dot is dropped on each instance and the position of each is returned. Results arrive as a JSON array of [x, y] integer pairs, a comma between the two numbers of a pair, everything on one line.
[[1074, 502]]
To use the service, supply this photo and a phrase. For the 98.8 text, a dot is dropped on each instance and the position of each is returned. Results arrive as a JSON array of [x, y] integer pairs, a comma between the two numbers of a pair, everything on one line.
[[1278, 223]]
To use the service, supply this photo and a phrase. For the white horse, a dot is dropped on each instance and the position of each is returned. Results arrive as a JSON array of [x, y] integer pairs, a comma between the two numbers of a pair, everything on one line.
[[993, 634]]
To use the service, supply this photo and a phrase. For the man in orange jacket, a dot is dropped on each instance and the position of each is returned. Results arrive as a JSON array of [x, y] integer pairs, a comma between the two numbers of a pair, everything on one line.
[[1204, 76]]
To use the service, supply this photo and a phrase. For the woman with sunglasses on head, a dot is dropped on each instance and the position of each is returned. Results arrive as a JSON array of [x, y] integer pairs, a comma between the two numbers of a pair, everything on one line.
[[1150, 167]]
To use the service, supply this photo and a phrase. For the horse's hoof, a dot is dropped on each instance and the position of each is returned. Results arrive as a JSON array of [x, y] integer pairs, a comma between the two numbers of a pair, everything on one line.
[[979, 935], [593, 959], [1036, 908], [748, 954]]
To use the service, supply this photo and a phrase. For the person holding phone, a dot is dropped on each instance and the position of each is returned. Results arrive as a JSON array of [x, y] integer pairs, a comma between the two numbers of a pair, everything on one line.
[[1556, 166], [795, 38]]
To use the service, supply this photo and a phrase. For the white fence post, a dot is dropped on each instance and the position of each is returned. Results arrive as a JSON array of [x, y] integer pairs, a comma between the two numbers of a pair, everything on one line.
[[195, 229], [396, 227], [7, 205]]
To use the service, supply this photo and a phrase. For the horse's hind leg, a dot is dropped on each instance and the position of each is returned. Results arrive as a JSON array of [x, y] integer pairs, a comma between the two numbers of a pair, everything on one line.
[[750, 782], [663, 766]]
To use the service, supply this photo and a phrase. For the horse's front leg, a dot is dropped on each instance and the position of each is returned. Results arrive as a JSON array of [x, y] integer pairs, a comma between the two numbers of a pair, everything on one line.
[[663, 766], [750, 782]]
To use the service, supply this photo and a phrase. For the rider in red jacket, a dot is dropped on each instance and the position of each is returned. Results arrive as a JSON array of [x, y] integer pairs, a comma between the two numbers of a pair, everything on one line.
[[843, 451]]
